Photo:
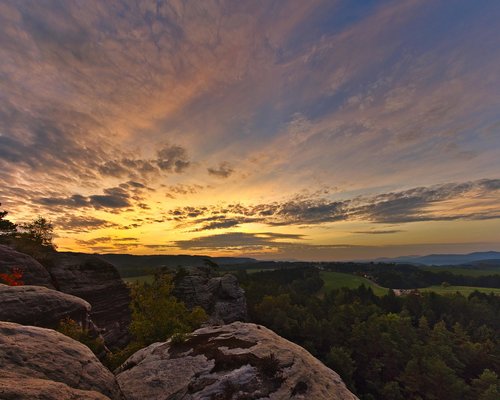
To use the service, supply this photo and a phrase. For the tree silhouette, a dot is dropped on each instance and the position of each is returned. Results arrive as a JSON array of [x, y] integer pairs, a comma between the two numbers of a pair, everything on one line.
[[40, 231]]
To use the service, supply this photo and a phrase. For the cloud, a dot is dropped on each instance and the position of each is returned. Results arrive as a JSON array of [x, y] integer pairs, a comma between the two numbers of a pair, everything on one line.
[[170, 159], [183, 190], [109, 244], [412, 205], [238, 241], [417, 204], [173, 159], [112, 198], [224, 170], [379, 232], [73, 223]]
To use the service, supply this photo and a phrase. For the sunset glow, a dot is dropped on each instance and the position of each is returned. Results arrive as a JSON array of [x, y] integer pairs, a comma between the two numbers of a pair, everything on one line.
[[314, 130]]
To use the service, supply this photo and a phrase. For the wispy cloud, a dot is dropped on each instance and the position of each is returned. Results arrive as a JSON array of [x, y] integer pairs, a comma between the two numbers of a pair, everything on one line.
[[224, 170], [412, 205]]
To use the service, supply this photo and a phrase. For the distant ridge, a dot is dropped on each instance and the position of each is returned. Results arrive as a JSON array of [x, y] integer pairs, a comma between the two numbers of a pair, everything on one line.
[[490, 257], [129, 265]]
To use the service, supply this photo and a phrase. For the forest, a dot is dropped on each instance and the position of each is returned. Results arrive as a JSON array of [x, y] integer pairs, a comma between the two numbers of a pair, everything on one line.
[[420, 346]]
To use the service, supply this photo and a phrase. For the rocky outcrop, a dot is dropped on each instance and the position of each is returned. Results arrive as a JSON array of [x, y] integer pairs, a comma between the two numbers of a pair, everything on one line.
[[220, 296], [39, 306], [33, 272], [236, 361], [99, 283], [38, 363]]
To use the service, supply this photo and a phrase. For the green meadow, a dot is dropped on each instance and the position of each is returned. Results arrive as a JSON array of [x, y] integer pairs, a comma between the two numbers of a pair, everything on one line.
[[337, 280]]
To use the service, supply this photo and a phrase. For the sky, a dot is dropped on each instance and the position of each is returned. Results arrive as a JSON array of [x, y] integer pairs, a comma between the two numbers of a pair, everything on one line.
[[286, 129]]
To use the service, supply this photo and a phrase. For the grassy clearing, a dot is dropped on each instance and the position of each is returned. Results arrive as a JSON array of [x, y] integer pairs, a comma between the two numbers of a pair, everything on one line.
[[337, 280]]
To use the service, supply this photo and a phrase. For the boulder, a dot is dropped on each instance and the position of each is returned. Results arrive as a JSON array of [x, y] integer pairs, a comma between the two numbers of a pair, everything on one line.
[[99, 283], [39, 363], [16, 387], [235, 361], [40, 306], [220, 296], [33, 272]]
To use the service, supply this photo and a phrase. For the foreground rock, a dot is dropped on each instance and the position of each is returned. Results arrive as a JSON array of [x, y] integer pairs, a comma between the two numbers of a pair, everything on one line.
[[99, 283], [39, 306], [33, 272], [38, 363], [220, 296], [16, 387], [236, 361]]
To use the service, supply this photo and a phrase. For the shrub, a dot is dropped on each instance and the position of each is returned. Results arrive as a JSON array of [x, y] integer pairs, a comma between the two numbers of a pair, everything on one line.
[[72, 329], [269, 366], [157, 314], [12, 279]]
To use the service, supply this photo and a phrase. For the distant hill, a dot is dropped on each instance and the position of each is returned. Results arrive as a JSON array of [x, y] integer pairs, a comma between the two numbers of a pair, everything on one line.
[[233, 260], [129, 265], [490, 263], [491, 257]]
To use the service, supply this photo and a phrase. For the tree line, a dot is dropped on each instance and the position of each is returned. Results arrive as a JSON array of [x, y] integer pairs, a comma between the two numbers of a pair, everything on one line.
[[406, 276]]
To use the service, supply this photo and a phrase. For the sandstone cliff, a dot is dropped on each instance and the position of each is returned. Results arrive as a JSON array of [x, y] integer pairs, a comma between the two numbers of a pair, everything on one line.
[[99, 283], [87, 277], [40, 306]]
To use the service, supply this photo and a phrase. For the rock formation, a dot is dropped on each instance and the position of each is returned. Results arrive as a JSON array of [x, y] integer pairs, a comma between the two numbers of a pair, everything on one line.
[[99, 283], [236, 361], [84, 276], [38, 363], [33, 272], [220, 296], [39, 306]]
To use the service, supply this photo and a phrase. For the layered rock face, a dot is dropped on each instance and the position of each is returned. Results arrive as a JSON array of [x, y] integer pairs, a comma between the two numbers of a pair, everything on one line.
[[236, 361], [99, 283], [220, 296], [38, 363], [34, 273], [39, 306], [81, 275]]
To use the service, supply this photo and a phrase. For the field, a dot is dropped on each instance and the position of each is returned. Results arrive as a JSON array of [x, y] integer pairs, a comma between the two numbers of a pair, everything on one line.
[[337, 280]]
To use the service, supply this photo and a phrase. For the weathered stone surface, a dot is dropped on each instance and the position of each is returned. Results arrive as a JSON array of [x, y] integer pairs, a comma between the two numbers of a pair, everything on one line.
[[33, 272], [46, 358], [99, 283], [40, 306], [220, 296], [17, 387], [236, 361]]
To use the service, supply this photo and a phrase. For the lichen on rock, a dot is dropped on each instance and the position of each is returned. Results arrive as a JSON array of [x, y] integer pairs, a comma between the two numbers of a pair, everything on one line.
[[235, 361]]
